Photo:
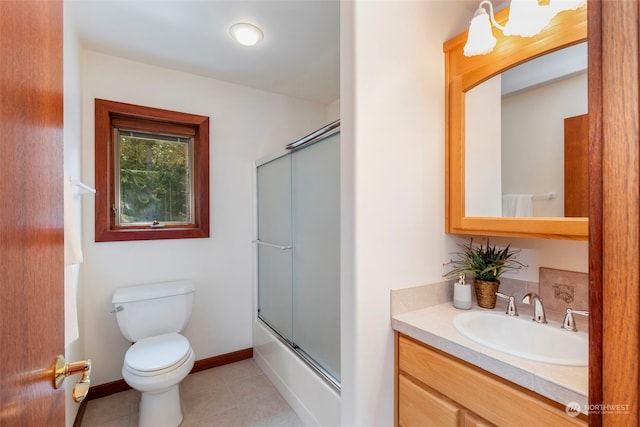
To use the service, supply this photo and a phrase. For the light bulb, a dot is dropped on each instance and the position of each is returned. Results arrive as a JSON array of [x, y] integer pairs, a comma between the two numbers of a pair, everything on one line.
[[246, 34], [480, 39], [560, 5], [527, 18]]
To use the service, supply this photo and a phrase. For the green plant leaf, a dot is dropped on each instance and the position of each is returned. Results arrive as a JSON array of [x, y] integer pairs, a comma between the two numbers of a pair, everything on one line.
[[486, 263]]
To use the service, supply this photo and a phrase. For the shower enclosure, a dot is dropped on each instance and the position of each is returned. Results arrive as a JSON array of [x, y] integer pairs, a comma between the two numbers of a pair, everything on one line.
[[298, 249]]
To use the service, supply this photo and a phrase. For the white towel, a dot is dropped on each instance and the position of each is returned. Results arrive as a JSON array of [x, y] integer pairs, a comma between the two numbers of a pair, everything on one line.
[[72, 246], [72, 255], [517, 205]]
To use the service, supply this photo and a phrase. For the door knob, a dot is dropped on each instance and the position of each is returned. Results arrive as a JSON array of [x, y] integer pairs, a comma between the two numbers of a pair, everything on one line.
[[62, 370]]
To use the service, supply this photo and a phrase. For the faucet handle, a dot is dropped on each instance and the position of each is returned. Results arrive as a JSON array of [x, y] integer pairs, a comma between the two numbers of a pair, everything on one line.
[[512, 310], [527, 298], [569, 323]]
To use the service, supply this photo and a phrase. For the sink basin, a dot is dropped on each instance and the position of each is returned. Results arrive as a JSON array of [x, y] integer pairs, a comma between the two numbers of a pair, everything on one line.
[[522, 337]]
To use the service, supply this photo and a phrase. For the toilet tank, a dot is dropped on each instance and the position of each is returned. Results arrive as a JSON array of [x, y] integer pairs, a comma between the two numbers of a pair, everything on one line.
[[147, 310]]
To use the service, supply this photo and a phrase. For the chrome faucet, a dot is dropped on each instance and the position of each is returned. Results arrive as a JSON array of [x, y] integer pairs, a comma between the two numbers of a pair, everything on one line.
[[512, 310], [538, 308], [569, 322]]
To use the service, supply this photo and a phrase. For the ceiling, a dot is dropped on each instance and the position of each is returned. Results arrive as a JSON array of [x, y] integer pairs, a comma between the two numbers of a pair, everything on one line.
[[298, 57]]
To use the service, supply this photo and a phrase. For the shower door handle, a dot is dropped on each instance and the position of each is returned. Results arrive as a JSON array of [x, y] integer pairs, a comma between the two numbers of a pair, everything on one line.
[[271, 245]]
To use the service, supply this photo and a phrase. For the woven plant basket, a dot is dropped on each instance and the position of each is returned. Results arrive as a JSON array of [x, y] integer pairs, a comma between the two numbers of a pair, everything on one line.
[[486, 293]]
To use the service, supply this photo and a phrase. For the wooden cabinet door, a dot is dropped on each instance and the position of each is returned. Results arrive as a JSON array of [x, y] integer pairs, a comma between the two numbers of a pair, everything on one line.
[[419, 407], [469, 388]]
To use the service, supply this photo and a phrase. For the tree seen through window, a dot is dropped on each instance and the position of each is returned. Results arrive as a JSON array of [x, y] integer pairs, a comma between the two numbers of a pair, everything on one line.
[[154, 178]]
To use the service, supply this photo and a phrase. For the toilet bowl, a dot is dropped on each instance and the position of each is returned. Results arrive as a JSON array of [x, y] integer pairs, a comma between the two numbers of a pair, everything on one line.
[[151, 316], [155, 366]]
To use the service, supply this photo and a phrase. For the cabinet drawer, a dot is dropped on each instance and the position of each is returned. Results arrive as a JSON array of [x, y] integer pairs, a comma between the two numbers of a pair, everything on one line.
[[498, 401], [419, 407]]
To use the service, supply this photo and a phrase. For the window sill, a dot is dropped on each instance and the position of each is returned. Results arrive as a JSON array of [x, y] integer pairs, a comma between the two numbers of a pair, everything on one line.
[[123, 234]]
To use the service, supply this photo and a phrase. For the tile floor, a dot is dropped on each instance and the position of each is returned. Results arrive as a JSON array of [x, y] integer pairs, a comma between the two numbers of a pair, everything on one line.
[[234, 395]]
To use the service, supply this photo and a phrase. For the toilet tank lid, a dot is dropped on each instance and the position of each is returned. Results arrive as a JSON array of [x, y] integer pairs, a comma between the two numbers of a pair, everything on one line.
[[151, 291]]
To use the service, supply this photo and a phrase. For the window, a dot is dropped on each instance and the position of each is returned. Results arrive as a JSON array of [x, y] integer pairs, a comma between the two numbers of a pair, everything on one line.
[[152, 173]]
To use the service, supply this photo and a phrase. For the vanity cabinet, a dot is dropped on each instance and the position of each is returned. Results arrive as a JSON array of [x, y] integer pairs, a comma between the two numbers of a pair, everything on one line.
[[435, 389], [420, 406]]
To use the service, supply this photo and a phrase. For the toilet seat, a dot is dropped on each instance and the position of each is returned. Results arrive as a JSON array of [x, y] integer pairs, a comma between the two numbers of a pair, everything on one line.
[[157, 355]]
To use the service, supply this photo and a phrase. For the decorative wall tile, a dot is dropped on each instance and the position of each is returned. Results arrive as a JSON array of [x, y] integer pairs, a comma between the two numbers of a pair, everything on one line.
[[561, 289]]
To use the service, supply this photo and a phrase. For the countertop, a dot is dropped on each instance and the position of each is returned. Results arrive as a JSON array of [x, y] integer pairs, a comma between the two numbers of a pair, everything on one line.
[[434, 327]]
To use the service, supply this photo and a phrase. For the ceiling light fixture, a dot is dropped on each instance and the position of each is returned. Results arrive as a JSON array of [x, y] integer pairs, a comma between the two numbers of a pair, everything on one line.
[[246, 34], [526, 19]]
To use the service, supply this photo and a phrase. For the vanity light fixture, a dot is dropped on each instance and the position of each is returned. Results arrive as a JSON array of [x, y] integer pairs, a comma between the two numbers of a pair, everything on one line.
[[557, 6], [246, 34], [480, 39], [526, 19]]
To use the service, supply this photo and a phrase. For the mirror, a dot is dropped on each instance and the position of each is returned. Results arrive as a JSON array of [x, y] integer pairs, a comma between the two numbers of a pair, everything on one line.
[[525, 117], [499, 180]]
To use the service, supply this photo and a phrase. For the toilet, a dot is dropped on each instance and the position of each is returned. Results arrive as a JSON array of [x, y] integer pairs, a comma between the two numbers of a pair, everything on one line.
[[151, 316]]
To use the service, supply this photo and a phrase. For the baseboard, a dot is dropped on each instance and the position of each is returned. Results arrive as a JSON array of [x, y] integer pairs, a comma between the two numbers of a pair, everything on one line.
[[223, 359], [106, 389], [117, 386]]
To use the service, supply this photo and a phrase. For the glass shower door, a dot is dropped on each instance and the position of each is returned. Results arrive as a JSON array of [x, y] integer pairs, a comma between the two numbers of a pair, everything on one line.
[[299, 252], [316, 255], [274, 245]]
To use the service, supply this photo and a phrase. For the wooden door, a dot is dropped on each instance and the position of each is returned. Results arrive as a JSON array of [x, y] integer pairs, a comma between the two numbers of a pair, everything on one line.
[[576, 166], [614, 212], [620, 211], [31, 212]]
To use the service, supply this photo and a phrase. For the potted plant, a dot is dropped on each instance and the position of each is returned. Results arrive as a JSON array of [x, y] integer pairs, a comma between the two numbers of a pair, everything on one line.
[[486, 263]]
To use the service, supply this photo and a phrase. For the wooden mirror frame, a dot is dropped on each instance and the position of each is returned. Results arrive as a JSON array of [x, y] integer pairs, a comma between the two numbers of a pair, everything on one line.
[[463, 73]]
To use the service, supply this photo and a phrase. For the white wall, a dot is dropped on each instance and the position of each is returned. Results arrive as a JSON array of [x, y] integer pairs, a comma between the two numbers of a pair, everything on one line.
[[74, 351], [246, 124], [392, 94], [392, 107], [482, 144]]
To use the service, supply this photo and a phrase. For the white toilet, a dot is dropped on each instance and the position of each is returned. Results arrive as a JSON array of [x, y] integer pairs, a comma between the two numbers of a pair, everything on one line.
[[151, 316]]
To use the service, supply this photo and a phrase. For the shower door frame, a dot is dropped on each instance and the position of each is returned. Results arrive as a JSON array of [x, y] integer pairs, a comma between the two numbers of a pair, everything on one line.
[[322, 372]]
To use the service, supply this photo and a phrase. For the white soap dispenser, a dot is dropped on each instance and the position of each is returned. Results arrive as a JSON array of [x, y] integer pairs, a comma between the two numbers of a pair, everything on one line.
[[461, 294]]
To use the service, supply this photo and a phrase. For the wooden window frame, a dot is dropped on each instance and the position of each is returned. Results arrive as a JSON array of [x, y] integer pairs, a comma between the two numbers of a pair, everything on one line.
[[146, 118]]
